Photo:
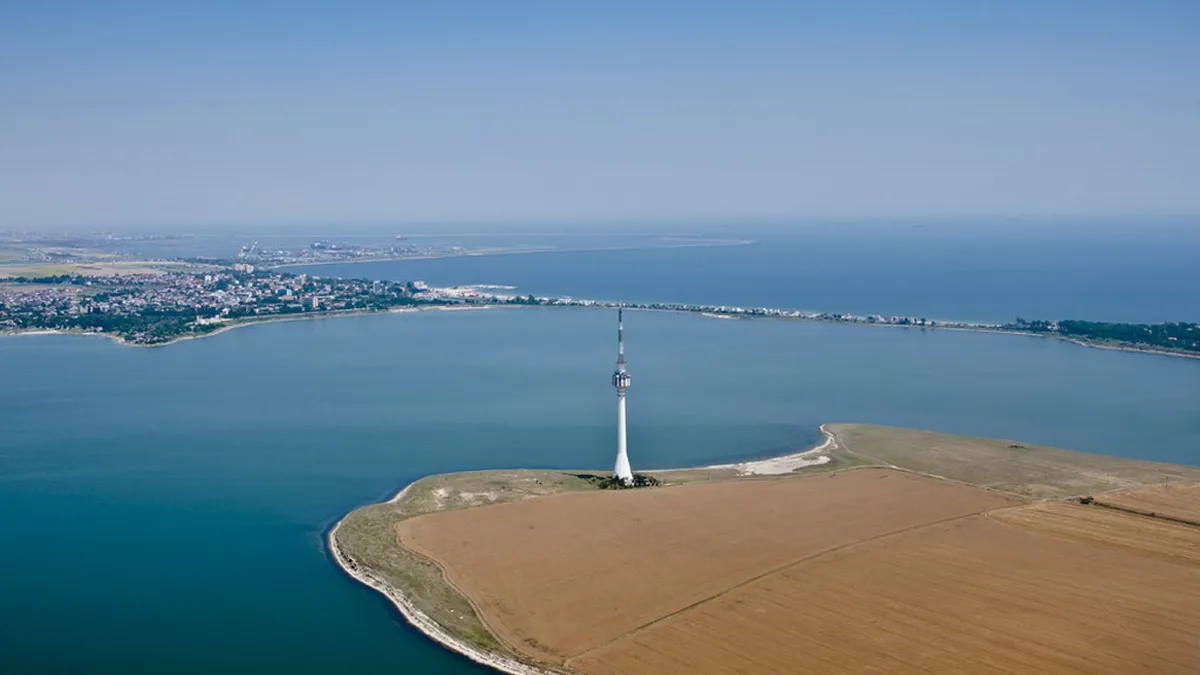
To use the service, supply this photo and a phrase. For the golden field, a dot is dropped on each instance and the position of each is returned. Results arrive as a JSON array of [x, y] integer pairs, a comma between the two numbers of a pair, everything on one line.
[[869, 570], [969, 596], [905, 551], [1176, 500]]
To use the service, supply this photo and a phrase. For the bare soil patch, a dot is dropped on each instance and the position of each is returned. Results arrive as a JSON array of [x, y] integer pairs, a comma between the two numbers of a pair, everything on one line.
[[557, 576], [968, 596]]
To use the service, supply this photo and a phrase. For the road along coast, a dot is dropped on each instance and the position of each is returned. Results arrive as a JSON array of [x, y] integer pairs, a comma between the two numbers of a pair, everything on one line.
[[875, 484]]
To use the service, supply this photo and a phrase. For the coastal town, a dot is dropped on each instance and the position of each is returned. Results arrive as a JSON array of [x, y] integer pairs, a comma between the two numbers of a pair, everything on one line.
[[158, 307]]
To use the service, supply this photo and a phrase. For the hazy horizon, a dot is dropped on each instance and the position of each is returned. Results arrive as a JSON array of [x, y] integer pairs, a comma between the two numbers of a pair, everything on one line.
[[188, 116], [1126, 224]]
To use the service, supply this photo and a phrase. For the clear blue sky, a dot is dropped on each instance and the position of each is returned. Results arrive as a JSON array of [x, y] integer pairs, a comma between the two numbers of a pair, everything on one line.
[[176, 113]]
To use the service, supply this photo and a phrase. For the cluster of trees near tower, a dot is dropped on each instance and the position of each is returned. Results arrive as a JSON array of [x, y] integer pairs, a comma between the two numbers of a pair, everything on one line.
[[640, 480]]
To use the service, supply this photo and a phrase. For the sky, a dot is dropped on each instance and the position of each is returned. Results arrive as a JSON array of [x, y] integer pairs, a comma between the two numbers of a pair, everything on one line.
[[181, 114]]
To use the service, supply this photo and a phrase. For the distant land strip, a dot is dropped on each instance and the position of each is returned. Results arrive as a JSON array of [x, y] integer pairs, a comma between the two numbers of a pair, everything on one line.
[[161, 307]]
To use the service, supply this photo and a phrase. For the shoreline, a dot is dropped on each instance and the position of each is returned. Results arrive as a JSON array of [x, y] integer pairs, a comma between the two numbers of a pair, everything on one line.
[[780, 465], [1063, 338], [424, 624], [418, 619], [336, 314], [708, 315]]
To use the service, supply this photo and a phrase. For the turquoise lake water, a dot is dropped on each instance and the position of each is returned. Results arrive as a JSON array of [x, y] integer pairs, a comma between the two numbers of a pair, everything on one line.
[[163, 509]]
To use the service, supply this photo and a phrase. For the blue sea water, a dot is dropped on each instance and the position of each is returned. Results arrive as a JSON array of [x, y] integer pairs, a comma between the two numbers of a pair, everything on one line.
[[991, 273], [163, 509]]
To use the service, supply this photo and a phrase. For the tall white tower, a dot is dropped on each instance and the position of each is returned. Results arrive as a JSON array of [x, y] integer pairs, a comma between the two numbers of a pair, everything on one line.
[[620, 380]]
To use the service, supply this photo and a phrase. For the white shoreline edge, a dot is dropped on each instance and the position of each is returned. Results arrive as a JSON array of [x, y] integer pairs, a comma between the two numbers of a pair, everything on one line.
[[783, 464], [432, 630]]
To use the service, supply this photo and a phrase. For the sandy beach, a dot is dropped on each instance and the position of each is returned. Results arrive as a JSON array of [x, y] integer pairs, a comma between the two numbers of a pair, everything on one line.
[[775, 466]]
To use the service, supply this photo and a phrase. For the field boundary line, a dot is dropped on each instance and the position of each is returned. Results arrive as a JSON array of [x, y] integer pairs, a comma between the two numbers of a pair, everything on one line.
[[1146, 514], [775, 570], [914, 472]]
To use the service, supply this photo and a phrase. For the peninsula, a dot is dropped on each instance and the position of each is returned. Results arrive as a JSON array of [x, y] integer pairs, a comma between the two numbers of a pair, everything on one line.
[[887, 549], [146, 306]]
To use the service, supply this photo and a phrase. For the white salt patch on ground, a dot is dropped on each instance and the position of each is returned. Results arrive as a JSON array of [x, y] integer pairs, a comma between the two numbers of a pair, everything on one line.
[[778, 465], [478, 496], [439, 495]]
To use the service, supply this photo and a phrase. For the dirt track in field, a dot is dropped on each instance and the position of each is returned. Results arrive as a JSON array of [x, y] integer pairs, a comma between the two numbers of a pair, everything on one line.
[[557, 576]]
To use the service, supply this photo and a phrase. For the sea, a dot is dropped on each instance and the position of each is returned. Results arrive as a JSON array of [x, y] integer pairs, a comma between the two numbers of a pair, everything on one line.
[[163, 510]]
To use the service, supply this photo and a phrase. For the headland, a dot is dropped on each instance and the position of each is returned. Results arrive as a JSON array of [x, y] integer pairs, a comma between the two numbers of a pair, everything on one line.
[[534, 571]]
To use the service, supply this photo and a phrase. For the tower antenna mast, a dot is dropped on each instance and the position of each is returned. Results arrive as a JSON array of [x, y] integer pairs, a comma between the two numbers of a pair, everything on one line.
[[620, 380]]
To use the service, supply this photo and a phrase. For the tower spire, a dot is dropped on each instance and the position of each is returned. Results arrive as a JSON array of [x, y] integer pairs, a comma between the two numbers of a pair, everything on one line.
[[620, 380], [620, 339]]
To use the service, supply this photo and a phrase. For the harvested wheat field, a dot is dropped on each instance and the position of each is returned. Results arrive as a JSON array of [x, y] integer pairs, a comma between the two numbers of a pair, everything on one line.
[[969, 596], [557, 576], [1176, 500], [1033, 471], [1110, 528], [870, 570]]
